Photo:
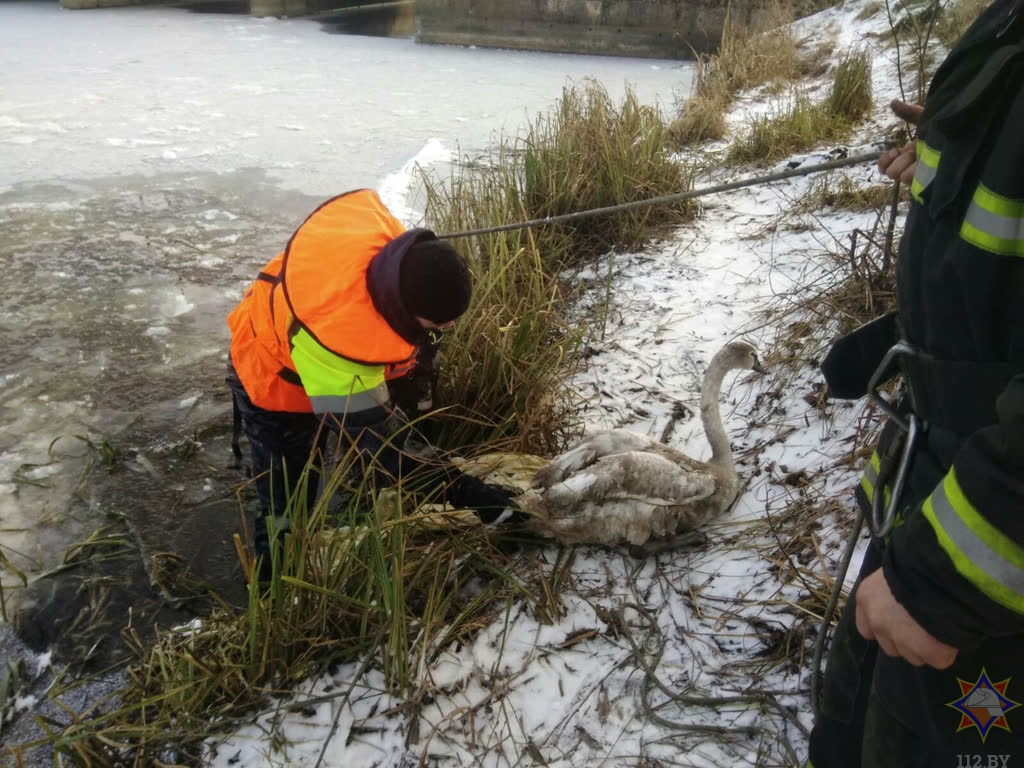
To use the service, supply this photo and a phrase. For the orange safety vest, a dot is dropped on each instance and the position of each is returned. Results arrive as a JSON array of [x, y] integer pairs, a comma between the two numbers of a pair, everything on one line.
[[318, 283]]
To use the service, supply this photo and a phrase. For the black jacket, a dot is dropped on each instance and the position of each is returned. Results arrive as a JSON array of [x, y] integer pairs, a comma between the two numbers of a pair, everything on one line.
[[956, 562]]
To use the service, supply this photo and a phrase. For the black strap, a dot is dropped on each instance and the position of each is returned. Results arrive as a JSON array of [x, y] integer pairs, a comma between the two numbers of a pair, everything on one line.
[[236, 431], [290, 376], [853, 358], [965, 105], [959, 396]]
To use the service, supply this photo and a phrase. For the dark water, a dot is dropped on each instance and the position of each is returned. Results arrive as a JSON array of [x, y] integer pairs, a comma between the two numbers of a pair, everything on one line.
[[124, 496], [116, 295]]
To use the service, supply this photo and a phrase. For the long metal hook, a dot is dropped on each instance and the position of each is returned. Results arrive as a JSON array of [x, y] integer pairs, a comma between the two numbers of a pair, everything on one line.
[[883, 514]]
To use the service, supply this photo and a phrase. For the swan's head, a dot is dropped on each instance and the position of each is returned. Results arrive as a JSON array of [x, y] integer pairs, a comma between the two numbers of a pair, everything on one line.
[[739, 354]]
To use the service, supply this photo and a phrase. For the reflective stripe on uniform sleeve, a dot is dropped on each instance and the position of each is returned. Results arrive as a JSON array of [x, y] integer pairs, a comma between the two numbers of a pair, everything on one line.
[[333, 383], [924, 169], [980, 552], [994, 223]]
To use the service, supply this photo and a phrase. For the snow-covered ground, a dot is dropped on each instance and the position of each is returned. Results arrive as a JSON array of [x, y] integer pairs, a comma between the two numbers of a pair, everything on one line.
[[699, 658]]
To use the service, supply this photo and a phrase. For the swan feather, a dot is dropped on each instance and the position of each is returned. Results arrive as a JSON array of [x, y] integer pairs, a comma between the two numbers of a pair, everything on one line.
[[609, 443]]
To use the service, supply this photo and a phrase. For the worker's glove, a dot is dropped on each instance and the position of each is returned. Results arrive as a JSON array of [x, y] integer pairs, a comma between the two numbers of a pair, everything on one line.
[[493, 504], [414, 392], [853, 358]]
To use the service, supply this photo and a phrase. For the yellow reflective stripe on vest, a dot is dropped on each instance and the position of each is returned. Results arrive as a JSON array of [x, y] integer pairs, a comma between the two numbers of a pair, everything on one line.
[[335, 384], [981, 553], [994, 223], [869, 479], [924, 169]]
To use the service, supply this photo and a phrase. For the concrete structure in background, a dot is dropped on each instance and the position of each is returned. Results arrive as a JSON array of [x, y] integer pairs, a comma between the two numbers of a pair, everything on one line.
[[394, 18], [388, 18], [667, 29], [76, 4]]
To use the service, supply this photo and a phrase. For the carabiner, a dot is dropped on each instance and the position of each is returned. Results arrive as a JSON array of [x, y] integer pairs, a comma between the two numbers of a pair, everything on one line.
[[883, 514], [880, 521], [898, 349]]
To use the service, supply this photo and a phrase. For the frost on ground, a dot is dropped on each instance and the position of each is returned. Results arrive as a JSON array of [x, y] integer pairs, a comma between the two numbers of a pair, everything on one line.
[[696, 658]]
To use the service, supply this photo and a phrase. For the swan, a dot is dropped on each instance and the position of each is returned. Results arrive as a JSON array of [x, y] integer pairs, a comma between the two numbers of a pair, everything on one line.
[[620, 486]]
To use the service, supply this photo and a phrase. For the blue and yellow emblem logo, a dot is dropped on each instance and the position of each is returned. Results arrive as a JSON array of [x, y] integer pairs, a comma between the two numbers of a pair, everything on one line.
[[983, 704]]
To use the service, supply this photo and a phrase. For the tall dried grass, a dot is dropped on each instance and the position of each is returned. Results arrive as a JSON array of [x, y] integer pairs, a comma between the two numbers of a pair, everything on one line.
[[955, 17], [590, 153], [386, 581], [797, 124], [507, 363], [790, 126], [762, 50], [849, 96], [703, 115]]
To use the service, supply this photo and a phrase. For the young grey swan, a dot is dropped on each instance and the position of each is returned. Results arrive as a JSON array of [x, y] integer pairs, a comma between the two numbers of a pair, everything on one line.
[[620, 486]]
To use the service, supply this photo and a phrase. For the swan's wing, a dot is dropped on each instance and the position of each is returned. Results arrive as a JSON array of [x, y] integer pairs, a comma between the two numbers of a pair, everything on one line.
[[640, 476], [614, 441], [628, 497], [677, 457]]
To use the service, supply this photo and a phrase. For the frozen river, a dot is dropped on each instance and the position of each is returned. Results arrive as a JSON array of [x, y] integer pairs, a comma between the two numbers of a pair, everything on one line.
[[151, 159], [151, 90]]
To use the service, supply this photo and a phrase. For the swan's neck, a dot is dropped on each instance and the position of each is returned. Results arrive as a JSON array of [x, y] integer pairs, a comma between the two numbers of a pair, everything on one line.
[[711, 416]]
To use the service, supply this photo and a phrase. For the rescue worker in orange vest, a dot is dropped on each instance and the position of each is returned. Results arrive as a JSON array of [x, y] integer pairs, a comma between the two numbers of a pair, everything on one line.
[[348, 317]]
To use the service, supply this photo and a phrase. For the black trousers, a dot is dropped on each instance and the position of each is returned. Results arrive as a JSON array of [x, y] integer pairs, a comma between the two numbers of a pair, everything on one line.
[[838, 734], [284, 444], [881, 712], [281, 446]]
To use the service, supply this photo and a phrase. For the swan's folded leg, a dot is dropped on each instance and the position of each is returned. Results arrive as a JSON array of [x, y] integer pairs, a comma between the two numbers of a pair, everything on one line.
[[681, 542]]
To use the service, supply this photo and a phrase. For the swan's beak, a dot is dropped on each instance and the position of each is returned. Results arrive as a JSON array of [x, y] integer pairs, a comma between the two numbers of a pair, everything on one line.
[[758, 367]]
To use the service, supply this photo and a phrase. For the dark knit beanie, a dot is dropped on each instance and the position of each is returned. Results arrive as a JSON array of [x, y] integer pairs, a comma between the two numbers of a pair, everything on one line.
[[434, 281]]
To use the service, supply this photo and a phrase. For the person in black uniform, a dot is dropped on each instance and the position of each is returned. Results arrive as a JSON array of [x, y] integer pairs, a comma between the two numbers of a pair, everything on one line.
[[927, 664]]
